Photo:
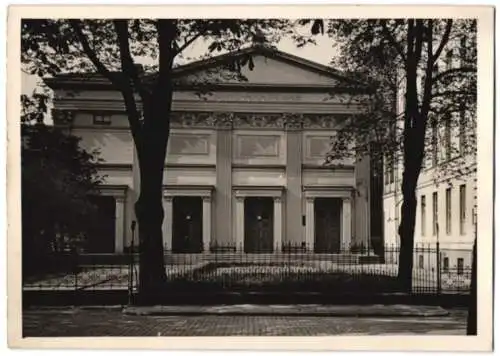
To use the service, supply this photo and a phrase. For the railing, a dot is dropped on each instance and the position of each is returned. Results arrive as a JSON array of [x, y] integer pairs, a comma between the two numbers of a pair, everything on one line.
[[291, 268]]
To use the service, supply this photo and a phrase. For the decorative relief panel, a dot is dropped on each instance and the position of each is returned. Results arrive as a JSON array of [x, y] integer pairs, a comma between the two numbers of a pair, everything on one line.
[[259, 120], [253, 146], [313, 121], [192, 119], [188, 144], [227, 120], [317, 146]]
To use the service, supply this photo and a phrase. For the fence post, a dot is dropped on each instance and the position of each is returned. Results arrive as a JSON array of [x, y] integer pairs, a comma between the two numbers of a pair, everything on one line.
[[438, 268], [75, 267]]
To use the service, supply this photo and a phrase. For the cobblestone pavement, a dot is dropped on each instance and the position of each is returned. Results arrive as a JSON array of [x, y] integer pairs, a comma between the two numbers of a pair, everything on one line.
[[81, 322]]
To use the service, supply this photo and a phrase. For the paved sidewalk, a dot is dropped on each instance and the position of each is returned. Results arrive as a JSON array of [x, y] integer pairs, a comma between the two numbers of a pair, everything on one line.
[[377, 310], [95, 322]]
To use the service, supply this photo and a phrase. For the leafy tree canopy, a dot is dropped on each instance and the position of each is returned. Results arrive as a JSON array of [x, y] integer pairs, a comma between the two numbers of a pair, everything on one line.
[[58, 176], [378, 51]]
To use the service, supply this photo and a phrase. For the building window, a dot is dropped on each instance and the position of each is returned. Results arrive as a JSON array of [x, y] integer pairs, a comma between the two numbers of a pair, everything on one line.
[[422, 213], [434, 142], [446, 264], [462, 209], [448, 211], [434, 213], [460, 266], [101, 119], [420, 261], [462, 139], [389, 171], [447, 137]]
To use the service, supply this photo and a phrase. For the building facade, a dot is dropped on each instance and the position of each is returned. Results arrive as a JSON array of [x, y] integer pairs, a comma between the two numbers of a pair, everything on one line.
[[245, 163], [447, 190]]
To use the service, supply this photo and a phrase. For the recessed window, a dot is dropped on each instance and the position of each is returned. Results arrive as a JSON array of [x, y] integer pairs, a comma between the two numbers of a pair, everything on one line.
[[446, 264], [422, 215], [435, 226], [448, 211], [420, 261], [434, 142], [102, 119], [460, 266], [462, 208]]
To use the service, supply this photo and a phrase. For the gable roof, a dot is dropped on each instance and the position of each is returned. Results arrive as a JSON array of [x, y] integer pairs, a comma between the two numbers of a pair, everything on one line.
[[94, 80]]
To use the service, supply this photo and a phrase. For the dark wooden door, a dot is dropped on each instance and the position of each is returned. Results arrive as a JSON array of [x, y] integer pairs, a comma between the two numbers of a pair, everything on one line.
[[327, 214], [101, 232], [259, 225], [187, 224]]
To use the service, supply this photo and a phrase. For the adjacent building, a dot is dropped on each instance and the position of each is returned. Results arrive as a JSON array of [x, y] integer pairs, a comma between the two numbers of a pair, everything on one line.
[[446, 191]]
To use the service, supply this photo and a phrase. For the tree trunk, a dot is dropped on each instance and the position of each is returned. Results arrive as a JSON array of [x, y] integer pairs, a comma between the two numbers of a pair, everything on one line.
[[407, 230], [413, 154], [472, 312], [149, 206]]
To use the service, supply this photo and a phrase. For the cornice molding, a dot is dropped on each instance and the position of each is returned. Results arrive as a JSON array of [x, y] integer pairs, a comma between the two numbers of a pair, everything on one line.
[[190, 166], [189, 187], [244, 166], [313, 167], [116, 190], [223, 120], [115, 166]]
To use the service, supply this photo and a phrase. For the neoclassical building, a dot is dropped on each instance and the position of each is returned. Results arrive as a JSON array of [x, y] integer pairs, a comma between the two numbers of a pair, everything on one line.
[[245, 164]]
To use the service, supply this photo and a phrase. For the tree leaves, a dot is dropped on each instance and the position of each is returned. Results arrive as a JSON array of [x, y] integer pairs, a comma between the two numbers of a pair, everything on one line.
[[373, 50], [57, 178]]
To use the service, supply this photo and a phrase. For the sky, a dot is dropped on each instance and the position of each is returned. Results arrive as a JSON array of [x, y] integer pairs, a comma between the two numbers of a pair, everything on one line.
[[322, 53]]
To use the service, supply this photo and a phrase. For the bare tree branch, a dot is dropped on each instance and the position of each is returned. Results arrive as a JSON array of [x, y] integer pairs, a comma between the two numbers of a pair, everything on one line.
[[426, 98], [91, 54], [128, 66], [444, 41], [166, 36], [200, 33], [419, 40]]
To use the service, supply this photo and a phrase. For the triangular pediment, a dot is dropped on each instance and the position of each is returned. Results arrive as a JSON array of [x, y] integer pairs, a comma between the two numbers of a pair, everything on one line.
[[256, 67], [261, 67]]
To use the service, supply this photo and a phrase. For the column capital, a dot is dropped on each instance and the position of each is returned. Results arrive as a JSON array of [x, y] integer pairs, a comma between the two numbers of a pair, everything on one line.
[[169, 198], [120, 199], [277, 199], [240, 198], [206, 199], [310, 199]]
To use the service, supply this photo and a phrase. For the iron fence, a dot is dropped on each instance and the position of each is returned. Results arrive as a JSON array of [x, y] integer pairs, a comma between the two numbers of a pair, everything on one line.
[[289, 268]]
